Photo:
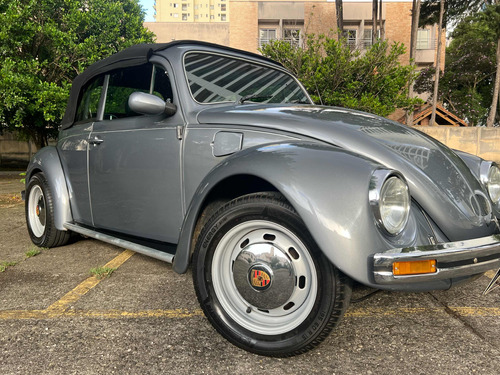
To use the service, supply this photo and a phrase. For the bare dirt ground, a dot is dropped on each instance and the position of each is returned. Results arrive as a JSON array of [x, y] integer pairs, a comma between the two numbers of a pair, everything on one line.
[[144, 319]]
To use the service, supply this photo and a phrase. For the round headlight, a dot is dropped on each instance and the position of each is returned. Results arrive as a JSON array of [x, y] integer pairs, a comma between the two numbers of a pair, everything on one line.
[[493, 184], [394, 205]]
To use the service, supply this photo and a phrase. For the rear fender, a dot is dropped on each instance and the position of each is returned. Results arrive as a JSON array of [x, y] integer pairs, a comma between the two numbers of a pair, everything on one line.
[[47, 161]]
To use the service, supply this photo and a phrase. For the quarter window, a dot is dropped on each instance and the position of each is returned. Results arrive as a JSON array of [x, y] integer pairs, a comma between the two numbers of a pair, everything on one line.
[[89, 100]]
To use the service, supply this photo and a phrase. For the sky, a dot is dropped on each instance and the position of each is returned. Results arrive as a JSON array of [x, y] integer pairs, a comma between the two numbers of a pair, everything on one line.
[[147, 5]]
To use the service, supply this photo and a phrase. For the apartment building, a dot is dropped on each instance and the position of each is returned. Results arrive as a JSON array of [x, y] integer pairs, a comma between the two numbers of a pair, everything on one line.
[[248, 24], [191, 11]]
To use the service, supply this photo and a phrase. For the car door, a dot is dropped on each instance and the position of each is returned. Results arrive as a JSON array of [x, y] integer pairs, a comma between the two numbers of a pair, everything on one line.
[[73, 148], [134, 160]]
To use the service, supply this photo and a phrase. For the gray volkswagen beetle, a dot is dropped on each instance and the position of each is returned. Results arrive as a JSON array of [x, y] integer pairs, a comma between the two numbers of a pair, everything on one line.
[[202, 155]]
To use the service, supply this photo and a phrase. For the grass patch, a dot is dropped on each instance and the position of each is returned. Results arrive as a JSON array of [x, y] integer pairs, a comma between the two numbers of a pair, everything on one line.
[[33, 252], [5, 265], [102, 272]]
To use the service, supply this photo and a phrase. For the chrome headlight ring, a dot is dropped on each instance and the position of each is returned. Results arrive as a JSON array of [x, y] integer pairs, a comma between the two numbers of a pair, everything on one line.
[[489, 174], [390, 201]]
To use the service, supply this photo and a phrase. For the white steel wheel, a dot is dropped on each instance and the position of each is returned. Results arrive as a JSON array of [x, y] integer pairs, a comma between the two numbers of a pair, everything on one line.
[[37, 214], [39, 211], [262, 281], [262, 252]]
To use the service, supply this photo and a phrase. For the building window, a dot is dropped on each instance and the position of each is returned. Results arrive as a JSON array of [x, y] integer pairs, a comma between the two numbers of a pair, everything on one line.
[[211, 17], [176, 15], [223, 17], [184, 7], [223, 7], [266, 35], [175, 5], [184, 16], [367, 38], [424, 39], [350, 36], [292, 36], [211, 7]]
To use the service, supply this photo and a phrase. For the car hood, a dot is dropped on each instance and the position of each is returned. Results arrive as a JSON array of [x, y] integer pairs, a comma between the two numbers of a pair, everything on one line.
[[439, 180]]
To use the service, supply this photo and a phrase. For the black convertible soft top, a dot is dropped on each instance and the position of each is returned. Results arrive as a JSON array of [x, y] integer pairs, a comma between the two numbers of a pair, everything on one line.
[[132, 56], [136, 55]]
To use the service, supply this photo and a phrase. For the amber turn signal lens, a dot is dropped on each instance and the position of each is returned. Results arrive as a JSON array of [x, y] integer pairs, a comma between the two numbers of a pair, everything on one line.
[[414, 267]]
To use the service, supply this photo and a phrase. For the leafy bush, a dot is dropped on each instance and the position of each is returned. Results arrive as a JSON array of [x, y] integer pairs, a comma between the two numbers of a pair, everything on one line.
[[373, 80]]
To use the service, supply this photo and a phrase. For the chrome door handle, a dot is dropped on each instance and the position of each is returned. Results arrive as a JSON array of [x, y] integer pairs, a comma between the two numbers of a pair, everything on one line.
[[96, 141]]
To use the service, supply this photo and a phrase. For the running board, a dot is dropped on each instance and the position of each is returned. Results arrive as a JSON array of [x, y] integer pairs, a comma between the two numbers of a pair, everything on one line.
[[150, 252]]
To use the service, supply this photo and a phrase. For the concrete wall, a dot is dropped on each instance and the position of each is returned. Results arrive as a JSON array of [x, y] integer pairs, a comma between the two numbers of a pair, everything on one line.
[[14, 152], [483, 142]]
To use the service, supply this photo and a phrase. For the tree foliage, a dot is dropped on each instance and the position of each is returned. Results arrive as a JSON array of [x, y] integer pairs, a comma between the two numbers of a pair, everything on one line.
[[334, 74], [466, 86], [44, 44], [455, 10]]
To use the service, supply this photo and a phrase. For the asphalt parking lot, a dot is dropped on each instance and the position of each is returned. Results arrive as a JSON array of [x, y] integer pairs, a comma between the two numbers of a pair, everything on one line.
[[56, 318]]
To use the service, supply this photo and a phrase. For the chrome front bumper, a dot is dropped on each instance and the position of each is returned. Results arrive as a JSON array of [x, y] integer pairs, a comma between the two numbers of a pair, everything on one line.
[[454, 260]]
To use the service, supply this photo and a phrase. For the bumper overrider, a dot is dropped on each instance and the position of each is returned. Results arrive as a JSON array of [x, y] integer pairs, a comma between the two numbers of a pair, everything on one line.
[[437, 262]]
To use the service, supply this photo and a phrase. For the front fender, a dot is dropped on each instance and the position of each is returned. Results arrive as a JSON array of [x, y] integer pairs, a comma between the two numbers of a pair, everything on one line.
[[327, 186], [472, 161], [47, 161]]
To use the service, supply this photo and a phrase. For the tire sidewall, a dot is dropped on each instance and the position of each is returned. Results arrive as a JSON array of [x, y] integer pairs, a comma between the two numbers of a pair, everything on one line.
[[316, 323]]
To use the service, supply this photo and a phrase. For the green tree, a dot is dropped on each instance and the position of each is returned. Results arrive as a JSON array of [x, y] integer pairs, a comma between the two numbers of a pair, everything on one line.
[[44, 44], [467, 81], [373, 81], [460, 11], [339, 10], [491, 17], [415, 16], [454, 10], [438, 61]]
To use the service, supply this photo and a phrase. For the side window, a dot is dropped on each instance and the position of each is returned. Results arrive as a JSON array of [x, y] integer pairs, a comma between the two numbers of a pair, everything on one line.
[[122, 83], [145, 78], [89, 100]]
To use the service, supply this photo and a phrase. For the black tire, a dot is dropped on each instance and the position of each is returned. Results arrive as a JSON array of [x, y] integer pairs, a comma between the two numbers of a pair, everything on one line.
[[39, 210], [293, 297]]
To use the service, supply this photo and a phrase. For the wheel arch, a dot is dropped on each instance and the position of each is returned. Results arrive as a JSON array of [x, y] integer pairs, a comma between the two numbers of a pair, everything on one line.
[[47, 161], [223, 191], [308, 175]]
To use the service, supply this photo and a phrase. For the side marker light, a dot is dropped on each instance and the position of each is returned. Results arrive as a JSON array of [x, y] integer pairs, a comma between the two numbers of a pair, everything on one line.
[[415, 267]]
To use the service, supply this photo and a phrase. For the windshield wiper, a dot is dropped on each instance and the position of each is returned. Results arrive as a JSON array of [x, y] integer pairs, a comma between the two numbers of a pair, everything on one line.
[[253, 96]]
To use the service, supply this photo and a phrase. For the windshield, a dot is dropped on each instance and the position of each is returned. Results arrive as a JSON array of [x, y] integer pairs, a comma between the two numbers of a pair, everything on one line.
[[216, 79]]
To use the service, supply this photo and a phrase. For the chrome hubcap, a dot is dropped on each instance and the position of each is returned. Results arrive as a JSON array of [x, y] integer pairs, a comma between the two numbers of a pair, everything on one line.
[[264, 277]]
